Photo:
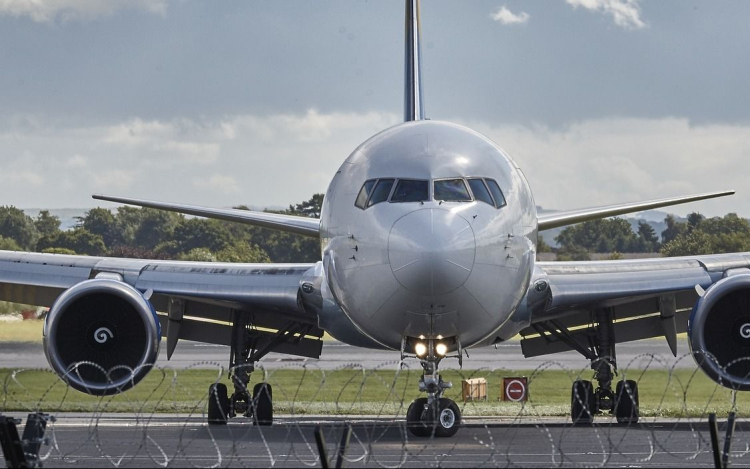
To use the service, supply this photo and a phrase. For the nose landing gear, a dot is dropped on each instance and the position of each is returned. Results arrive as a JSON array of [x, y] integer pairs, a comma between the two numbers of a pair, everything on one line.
[[434, 415]]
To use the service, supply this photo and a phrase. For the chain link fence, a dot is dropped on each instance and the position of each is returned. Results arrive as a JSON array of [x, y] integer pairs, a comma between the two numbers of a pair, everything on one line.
[[162, 421]]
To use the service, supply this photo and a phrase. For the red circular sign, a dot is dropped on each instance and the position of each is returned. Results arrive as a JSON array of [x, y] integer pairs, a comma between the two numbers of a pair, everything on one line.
[[515, 390]]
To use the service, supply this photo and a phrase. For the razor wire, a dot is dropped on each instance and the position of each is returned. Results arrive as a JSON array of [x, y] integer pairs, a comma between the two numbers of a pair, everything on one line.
[[163, 424]]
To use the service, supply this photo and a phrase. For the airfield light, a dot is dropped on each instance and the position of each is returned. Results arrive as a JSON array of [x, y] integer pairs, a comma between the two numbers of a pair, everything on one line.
[[421, 349], [441, 349]]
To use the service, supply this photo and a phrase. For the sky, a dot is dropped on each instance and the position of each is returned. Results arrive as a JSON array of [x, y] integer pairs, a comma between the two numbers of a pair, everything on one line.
[[259, 102]]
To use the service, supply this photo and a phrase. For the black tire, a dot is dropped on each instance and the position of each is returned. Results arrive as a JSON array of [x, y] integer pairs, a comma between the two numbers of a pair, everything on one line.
[[263, 404], [218, 404], [627, 402], [582, 403], [416, 425], [448, 419]]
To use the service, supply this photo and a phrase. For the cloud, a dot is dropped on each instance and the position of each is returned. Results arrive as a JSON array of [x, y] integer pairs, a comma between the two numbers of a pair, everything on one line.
[[48, 11], [270, 160], [625, 13], [616, 160], [275, 160], [218, 182], [505, 16]]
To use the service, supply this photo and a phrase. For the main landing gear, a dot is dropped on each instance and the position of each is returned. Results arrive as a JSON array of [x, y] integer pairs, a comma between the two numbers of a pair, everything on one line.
[[433, 415], [587, 401], [247, 348]]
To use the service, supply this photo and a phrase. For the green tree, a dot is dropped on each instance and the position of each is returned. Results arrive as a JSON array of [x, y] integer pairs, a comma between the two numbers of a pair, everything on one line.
[[46, 224], [243, 252], [688, 244], [308, 208], [694, 220], [8, 244], [606, 235], [573, 253], [541, 245], [100, 221], [711, 235], [648, 241], [674, 229], [155, 227], [201, 233], [78, 240], [59, 251], [18, 226], [198, 255]]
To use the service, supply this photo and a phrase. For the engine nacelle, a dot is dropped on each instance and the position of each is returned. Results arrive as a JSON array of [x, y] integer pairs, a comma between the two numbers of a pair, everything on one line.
[[102, 336], [719, 332]]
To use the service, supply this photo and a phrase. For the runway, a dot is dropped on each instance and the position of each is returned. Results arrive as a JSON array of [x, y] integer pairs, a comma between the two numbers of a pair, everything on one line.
[[184, 441], [635, 355]]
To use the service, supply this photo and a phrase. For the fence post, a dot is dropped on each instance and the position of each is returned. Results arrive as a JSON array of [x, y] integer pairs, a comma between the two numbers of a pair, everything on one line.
[[728, 440], [23, 452], [11, 443], [321, 442], [344, 445], [721, 457]]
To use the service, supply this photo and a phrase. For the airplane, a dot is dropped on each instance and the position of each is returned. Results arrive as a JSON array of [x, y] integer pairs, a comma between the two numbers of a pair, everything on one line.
[[428, 235]]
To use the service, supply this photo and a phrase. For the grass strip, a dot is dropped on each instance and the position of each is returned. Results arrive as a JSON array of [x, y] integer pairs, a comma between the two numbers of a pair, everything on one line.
[[349, 391]]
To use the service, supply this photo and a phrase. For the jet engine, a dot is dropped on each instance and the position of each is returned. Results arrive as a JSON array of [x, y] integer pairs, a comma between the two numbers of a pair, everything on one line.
[[102, 336], [719, 332]]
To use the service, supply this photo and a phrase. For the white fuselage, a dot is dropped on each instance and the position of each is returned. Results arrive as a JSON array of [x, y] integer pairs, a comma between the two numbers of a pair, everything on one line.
[[429, 268]]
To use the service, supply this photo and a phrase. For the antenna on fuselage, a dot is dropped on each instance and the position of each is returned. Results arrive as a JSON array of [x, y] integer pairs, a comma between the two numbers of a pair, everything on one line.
[[413, 105]]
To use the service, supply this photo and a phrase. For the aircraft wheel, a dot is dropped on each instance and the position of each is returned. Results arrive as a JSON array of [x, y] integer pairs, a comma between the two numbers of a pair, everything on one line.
[[448, 418], [582, 403], [627, 402], [263, 404], [416, 425], [218, 404]]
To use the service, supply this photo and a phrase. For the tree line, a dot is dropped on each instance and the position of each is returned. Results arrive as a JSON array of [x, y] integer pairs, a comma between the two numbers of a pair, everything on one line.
[[156, 234], [695, 236]]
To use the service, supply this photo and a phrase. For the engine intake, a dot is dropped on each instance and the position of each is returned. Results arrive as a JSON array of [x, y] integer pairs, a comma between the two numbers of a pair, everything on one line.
[[719, 332], [102, 336]]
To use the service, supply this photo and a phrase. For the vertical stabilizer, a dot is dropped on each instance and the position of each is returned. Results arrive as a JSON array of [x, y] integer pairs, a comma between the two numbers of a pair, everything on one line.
[[413, 105]]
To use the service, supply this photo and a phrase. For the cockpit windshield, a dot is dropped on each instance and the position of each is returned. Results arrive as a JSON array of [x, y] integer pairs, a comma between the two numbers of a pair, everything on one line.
[[381, 192], [411, 190], [497, 194], [375, 191], [481, 193], [452, 190]]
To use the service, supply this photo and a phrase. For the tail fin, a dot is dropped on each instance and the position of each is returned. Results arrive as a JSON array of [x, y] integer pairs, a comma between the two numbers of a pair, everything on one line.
[[413, 105]]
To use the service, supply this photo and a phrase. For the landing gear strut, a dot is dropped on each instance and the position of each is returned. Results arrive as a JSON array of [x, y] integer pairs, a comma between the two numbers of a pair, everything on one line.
[[434, 415], [248, 348], [587, 401]]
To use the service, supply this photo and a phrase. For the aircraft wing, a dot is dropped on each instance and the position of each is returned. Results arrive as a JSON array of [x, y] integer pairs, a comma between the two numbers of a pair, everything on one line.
[[304, 226], [558, 219], [194, 300], [648, 297]]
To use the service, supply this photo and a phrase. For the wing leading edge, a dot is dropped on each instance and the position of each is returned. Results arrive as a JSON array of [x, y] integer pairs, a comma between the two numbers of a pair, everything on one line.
[[299, 225], [556, 220]]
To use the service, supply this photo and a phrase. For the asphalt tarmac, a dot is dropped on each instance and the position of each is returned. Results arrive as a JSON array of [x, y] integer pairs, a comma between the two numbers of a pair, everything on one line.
[[635, 355], [182, 441]]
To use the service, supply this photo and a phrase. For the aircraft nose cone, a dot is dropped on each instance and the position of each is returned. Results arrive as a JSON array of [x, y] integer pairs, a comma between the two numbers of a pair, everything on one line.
[[431, 251]]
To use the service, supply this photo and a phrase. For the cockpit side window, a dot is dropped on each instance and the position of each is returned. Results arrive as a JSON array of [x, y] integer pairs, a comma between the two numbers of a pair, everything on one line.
[[381, 192], [364, 193], [497, 194], [451, 190], [411, 190], [480, 191]]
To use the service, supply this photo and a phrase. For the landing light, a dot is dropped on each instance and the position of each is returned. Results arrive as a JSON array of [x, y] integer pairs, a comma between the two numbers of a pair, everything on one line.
[[441, 349], [421, 349]]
